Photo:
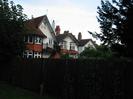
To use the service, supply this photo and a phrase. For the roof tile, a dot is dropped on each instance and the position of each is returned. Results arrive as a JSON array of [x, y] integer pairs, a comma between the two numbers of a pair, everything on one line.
[[32, 26]]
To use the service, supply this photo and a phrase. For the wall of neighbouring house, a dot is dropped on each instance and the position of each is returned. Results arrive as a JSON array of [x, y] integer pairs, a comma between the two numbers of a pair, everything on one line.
[[69, 40], [89, 44], [80, 49]]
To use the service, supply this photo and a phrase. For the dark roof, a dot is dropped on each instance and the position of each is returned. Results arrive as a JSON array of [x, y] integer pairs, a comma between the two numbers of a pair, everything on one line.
[[32, 26], [61, 37], [85, 41], [37, 20]]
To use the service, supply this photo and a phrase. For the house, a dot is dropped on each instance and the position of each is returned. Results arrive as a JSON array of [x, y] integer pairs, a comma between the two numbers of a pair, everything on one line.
[[39, 38], [83, 43], [67, 42]]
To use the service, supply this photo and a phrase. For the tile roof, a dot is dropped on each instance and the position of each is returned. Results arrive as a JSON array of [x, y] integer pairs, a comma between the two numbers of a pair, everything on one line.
[[61, 37], [85, 41], [32, 26]]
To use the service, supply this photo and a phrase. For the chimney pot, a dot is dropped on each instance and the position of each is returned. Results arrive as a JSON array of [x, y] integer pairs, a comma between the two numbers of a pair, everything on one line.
[[79, 36]]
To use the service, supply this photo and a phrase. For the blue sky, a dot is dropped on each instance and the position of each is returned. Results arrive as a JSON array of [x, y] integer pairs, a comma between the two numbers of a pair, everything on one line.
[[73, 15]]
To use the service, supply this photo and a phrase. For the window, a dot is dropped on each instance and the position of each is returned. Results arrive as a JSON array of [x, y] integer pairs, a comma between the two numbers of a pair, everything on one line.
[[37, 55], [38, 40], [25, 54], [80, 49], [28, 39], [63, 45], [25, 38], [72, 46], [50, 41], [28, 54]]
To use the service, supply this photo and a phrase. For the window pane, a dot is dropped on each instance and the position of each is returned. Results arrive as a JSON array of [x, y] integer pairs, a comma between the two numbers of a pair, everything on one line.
[[30, 38], [26, 39]]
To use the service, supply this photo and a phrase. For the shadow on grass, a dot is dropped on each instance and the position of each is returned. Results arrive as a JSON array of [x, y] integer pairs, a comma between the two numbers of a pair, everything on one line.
[[11, 92]]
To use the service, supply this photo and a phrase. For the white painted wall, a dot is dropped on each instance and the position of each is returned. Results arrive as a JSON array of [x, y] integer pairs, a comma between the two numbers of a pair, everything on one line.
[[68, 41], [50, 39], [80, 49], [89, 44]]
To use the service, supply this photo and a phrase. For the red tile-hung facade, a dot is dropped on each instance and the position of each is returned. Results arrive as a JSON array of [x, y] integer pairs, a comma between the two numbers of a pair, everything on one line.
[[34, 46]]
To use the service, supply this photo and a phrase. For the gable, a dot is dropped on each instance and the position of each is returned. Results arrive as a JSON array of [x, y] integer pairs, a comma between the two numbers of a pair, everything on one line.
[[89, 44], [69, 42], [46, 28], [68, 39], [31, 27]]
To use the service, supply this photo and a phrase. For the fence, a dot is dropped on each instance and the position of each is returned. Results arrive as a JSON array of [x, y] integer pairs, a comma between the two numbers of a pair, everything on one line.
[[74, 79]]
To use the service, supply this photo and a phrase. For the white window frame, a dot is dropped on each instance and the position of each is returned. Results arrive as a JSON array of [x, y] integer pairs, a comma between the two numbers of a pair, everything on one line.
[[27, 39], [37, 54], [27, 54], [63, 45], [50, 41], [38, 40], [72, 46]]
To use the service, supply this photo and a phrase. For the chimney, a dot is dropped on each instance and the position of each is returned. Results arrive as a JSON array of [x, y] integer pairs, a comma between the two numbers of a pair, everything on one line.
[[57, 30], [79, 36], [66, 32]]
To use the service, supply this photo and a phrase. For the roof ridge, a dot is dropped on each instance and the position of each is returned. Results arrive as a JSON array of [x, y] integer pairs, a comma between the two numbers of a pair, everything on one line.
[[86, 39], [37, 17]]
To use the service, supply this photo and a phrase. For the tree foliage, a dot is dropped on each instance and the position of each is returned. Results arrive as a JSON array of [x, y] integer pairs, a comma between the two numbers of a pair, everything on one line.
[[100, 52], [116, 21], [11, 29]]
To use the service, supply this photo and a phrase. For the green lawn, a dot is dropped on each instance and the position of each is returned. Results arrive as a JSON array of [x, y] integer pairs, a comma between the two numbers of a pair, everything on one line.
[[10, 92]]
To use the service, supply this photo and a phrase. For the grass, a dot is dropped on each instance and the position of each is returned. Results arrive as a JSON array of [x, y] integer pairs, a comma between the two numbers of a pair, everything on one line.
[[11, 92]]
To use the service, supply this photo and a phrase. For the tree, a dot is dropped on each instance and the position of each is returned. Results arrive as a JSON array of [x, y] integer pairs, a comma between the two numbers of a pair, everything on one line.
[[100, 52], [11, 30], [116, 21]]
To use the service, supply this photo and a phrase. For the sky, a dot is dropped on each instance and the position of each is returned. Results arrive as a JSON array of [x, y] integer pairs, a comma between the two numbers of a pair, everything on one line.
[[72, 15]]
